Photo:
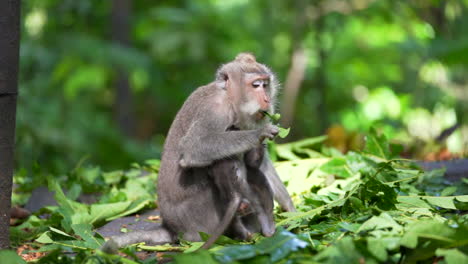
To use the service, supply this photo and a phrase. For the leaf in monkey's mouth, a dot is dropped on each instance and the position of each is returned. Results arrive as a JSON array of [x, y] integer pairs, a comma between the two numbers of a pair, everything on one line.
[[283, 132], [274, 118]]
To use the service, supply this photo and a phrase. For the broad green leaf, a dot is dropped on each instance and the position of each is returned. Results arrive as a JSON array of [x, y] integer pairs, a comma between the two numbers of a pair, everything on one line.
[[293, 218], [67, 208], [283, 132], [10, 257], [448, 191], [134, 207], [440, 232], [200, 257], [89, 174], [338, 167], [377, 247], [300, 174], [235, 252], [342, 251], [447, 202], [378, 193], [290, 151], [86, 233], [278, 247], [352, 227], [44, 238], [383, 221], [377, 145], [452, 256], [100, 212], [113, 177], [412, 202], [77, 244]]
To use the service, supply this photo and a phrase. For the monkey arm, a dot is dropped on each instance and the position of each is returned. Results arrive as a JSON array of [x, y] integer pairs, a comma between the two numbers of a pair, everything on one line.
[[280, 193], [204, 144]]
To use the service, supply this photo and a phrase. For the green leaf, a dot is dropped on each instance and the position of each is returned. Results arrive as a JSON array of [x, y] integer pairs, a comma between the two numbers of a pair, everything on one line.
[[383, 221], [166, 247], [134, 207], [378, 248], [290, 151], [460, 203], [440, 232], [377, 145], [10, 257], [236, 252], [107, 211], [342, 251], [200, 257], [274, 118], [60, 232], [338, 167], [89, 174], [448, 191], [86, 233], [113, 177], [283, 132], [278, 247], [44, 238], [447, 202], [352, 227], [300, 174], [375, 192], [452, 256]]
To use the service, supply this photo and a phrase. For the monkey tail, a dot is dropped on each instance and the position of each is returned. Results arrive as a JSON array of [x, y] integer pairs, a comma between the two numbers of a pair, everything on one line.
[[154, 237], [225, 221]]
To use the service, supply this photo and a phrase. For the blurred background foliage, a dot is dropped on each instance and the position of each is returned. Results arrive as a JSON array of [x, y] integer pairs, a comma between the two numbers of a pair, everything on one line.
[[101, 81]]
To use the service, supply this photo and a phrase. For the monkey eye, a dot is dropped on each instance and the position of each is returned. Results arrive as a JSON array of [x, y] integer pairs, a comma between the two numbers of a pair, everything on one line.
[[257, 83]]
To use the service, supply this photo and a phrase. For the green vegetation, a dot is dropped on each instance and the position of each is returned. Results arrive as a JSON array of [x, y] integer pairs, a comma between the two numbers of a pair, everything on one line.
[[396, 65], [359, 207]]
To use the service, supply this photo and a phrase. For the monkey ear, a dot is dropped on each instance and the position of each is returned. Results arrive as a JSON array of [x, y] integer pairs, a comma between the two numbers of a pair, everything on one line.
[[222, 78]]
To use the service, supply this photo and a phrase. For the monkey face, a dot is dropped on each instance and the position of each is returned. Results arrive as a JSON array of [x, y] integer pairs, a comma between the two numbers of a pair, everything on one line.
[[257, 95], [258, 90]]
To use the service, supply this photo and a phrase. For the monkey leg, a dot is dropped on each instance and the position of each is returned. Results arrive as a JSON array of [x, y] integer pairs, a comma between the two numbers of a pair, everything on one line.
[[280, 193], [260, 186], [225, 222], [230, 176]]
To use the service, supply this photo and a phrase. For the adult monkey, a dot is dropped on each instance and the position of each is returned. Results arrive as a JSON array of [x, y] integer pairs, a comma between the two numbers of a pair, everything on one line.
[[219, 121]]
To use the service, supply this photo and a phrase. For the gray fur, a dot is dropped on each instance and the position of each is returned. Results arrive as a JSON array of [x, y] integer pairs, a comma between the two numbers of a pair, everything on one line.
[[201, 134]]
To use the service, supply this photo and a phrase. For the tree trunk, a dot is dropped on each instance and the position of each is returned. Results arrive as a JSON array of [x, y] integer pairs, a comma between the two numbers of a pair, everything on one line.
[[9, 57], [292, 85], [123, 105], [298, 67]]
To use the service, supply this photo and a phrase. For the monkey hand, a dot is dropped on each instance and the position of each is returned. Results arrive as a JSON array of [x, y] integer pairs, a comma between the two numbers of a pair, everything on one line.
[[269, 131], [254, 157]]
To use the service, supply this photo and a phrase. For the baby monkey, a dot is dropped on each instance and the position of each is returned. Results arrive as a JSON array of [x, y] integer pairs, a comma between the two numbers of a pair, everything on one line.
[[249, 199]]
